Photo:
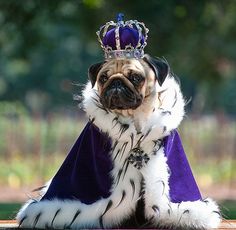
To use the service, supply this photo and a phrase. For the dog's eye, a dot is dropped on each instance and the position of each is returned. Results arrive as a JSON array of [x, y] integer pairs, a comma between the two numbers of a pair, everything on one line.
[[135, 78], [103, 78]]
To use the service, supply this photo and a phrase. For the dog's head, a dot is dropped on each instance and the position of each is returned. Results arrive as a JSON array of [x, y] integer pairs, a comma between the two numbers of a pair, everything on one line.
[[124, 84]]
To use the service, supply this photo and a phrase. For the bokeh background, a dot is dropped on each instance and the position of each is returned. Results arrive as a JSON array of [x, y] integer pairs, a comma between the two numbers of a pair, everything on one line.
[[46, 48]]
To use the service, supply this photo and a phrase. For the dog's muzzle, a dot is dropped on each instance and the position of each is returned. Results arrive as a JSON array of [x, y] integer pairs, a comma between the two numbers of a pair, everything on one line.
[[117, 95]]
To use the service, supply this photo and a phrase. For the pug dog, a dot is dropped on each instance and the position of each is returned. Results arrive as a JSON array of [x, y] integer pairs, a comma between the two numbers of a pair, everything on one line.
[[125, 86], [128, 168]]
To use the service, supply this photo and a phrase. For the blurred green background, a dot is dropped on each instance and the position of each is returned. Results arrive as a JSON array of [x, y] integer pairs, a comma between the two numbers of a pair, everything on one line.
[[46, 48]]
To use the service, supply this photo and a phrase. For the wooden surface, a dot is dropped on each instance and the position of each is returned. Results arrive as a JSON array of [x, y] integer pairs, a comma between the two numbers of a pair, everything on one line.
[[11, 224]]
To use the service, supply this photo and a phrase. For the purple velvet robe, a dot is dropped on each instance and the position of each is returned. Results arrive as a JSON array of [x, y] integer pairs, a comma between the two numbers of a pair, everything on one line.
[[85, 173]]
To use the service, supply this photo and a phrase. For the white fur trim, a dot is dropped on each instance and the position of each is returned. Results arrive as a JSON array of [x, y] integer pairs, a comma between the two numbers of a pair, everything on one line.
[[163, 119], [45, 188], [169, 115], [107, 212], [196, 214], [158, 207]]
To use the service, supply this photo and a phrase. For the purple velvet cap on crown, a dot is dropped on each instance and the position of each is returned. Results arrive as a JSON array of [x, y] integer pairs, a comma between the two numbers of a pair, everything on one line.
[[128, 36]]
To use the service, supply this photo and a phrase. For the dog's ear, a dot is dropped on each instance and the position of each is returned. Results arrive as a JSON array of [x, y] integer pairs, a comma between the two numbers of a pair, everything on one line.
[[159, 66], [93, 72]]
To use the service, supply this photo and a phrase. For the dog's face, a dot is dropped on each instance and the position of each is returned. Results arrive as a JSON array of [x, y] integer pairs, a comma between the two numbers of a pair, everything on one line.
[[124, 84]]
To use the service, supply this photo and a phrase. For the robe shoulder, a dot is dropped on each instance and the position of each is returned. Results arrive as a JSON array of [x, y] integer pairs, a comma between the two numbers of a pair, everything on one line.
[[85, 173]]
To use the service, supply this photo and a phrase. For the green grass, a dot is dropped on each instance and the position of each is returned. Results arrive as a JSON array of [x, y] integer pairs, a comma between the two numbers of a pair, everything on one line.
[[8, 210], [228, 208]]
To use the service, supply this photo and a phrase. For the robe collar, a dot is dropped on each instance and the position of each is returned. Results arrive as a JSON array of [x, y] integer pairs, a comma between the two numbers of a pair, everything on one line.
[[163, 118]]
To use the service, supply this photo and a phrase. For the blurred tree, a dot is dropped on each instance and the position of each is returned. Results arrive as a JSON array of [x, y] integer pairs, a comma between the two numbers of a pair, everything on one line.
[[46, 45]]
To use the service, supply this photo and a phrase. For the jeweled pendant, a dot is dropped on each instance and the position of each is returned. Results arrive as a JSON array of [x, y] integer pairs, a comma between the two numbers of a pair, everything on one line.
[[138, 158]]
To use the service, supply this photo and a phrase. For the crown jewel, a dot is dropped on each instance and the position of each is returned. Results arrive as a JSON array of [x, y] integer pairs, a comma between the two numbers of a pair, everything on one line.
[[123, 39]]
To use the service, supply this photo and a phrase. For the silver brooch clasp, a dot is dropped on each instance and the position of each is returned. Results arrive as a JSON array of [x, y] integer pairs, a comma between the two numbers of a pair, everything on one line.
[[138, 158]]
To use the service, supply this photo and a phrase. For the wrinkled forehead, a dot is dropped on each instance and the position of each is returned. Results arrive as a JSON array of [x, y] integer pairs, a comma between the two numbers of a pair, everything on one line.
[[122, 66]]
